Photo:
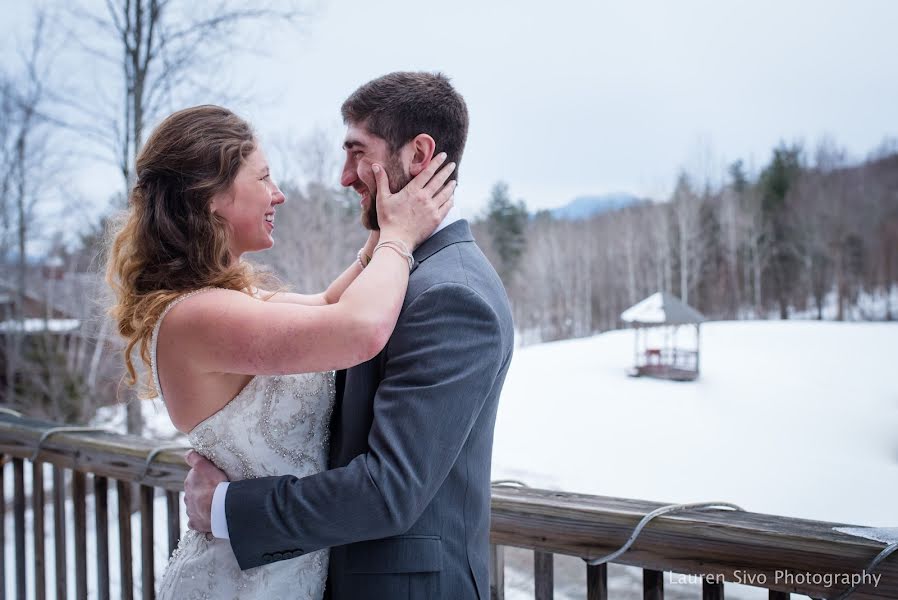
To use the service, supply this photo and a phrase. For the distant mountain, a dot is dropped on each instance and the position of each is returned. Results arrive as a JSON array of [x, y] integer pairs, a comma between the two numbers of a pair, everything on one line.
[[584, 207]]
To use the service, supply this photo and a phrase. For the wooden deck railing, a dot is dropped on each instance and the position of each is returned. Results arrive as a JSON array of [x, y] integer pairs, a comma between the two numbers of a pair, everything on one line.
[[720, 545]]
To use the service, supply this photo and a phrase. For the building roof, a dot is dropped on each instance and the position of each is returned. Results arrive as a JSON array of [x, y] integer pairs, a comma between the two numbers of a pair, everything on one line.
[[40, 325], [662, 309], [75, 295]]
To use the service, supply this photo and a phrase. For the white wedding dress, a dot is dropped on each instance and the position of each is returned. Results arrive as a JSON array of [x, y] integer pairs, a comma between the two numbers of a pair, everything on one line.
[[276, 425]]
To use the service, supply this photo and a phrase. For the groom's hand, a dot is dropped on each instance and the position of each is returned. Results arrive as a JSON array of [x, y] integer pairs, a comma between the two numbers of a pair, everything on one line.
[[199, 487]]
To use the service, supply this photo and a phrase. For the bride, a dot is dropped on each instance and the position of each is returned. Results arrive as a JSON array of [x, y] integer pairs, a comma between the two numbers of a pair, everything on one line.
[[248, 373]]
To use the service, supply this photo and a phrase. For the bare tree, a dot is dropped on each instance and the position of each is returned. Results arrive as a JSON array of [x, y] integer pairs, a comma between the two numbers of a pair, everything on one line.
[[25, 135], [43, 373], [156, 53], [312, 158], [686, 210], [159, 51], [660, 231]]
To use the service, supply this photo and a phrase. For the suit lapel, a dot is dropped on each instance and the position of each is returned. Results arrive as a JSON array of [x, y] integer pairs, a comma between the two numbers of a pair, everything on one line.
[[459, 231]]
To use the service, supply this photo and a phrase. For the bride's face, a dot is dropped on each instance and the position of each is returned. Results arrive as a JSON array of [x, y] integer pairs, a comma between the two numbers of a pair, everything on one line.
[[249, 205]]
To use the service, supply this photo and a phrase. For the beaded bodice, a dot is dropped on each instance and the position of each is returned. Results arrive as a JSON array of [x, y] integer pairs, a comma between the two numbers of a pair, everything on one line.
[[276, 425]]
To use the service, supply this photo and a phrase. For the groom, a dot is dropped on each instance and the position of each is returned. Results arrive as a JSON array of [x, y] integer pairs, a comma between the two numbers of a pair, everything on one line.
[[405, 507]]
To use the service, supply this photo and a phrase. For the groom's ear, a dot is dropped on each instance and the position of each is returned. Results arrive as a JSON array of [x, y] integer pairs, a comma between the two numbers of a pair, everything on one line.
[[423, 148]]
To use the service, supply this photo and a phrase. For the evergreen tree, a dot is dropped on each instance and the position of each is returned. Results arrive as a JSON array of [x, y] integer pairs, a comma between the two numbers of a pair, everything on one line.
[[738, 177], [775, 183], [507, 224]]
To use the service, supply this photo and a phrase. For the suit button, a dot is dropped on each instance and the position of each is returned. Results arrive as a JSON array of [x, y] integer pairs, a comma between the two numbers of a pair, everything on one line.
[[277, 556]]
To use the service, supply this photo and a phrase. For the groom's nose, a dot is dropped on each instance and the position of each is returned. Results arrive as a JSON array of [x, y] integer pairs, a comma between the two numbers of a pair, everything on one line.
[[349, 175]]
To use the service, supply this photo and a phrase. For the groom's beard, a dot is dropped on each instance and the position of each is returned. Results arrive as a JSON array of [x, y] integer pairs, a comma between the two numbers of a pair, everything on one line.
[[398, 180]]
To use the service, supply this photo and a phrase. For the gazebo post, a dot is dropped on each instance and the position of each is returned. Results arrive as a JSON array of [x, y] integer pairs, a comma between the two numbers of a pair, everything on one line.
[[698, 347], [673, 347], [667, 343]]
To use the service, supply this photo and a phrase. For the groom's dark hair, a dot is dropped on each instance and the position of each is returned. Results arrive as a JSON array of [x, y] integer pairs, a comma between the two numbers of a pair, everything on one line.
[[401, 105]]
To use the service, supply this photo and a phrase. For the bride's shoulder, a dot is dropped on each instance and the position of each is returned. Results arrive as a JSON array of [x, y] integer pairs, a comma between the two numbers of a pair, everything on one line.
[[202, 300], [208, 306]]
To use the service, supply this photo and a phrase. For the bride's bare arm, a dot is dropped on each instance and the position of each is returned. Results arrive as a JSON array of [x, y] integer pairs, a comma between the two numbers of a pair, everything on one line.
[[335, 290], [230, 332], [225, 331]]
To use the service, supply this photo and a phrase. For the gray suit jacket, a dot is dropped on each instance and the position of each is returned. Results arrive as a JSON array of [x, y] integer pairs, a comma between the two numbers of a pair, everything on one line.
[[406, 504]]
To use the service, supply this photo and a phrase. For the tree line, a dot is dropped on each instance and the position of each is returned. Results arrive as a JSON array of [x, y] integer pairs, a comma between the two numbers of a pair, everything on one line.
[[810, 235]]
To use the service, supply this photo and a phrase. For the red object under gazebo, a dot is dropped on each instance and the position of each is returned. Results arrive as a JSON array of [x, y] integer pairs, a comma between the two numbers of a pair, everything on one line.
[[664, 313]]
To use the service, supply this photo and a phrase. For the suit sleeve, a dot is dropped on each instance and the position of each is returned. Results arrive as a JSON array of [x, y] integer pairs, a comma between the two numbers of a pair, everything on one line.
[[442, 362]]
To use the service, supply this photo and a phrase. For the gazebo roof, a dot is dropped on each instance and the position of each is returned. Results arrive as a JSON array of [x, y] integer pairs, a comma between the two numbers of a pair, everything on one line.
[[662, 309]]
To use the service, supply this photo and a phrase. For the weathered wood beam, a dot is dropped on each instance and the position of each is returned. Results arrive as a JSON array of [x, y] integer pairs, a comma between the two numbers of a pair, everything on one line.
[[111, 455], [721, 543]]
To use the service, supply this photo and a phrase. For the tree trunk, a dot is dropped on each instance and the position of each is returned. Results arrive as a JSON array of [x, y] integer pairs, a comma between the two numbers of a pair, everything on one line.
[[756, 271]]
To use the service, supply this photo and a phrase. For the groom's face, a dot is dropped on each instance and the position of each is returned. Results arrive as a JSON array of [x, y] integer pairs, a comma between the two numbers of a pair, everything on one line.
[[363, 149]]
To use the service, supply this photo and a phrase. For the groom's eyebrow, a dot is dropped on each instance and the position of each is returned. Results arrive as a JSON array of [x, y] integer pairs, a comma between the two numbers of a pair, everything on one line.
[[350, 144]]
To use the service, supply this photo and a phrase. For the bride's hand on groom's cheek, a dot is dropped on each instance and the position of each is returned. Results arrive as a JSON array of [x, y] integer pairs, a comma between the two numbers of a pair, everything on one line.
[[411, 214], [199, 487]]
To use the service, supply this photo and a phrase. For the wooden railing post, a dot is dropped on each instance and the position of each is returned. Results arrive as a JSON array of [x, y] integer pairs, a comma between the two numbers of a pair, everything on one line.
[[597, 582], [712, 590], [543, 574], [37, 511], [18, 472], [147, 570], [101, 505], [79, 504], [123, 498], [59, 532], [497, 572], [3, 525], [173, 506], [652, 585]]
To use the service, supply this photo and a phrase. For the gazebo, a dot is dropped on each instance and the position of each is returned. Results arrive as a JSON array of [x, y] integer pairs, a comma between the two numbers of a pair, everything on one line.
[[665, 360]]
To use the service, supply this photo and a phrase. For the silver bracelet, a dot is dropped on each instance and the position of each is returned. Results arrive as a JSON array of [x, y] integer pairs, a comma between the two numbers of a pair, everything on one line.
[[362, 263], [400, 248]]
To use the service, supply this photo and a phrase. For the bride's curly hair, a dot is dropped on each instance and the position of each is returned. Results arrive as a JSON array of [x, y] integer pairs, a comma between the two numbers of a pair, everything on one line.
[[169, 242]]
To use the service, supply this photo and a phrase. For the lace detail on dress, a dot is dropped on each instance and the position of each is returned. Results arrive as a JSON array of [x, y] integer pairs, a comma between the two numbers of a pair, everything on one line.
[[276, 425]]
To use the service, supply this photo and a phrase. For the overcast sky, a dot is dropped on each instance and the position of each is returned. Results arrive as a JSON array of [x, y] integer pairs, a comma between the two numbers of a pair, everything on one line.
[[571, 98]]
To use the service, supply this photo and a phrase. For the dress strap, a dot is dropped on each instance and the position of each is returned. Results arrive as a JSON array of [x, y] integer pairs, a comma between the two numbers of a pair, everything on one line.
[[155, 337]]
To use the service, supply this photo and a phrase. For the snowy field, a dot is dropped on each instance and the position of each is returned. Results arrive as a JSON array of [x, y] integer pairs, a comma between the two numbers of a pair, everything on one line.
[[790, 418]]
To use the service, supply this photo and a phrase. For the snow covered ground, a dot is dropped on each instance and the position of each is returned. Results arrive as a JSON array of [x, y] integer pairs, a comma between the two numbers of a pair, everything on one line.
[[790, 418]]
